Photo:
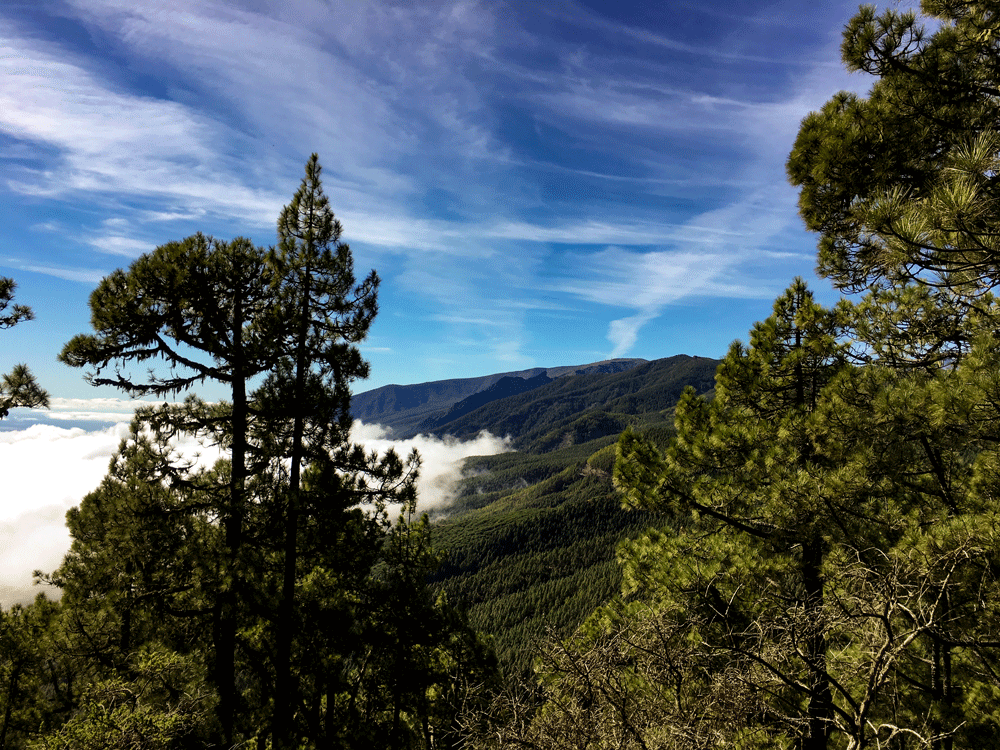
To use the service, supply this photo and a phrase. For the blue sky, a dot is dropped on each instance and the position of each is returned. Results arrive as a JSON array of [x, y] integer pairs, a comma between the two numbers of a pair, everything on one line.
[[537, 183]]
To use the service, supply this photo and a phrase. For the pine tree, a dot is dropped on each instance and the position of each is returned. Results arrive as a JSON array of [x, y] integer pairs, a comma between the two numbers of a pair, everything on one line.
[[326, 315], [203, 307], [274, 573], [746, 462], [900, 184], [832, 538]]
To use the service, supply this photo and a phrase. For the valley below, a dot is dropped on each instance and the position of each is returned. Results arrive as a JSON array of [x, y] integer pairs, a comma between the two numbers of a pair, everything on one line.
[[528, 542]]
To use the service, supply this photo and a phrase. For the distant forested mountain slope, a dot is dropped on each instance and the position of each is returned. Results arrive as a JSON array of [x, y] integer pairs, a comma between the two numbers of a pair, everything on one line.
[[529, 542], [539, 555], [506, 386], [585, 407], [404, 408]]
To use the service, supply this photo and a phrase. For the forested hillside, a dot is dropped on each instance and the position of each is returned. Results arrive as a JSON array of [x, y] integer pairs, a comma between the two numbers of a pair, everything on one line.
[[506, 386], [529, 544], [579, 408]]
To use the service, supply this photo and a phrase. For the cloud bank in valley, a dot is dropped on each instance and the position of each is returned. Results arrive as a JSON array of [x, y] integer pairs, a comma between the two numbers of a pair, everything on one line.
[[442, 458], [47, 469]]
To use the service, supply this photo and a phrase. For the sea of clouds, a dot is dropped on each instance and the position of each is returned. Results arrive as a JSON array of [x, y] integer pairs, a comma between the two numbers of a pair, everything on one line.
[[50, 460]]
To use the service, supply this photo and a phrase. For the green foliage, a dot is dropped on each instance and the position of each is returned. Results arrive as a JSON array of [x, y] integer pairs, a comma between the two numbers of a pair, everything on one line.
[[183, 304], [532, 550], [30, 686], [900, 184], [18, 313], [825, 570], [18, 387], [325, 315], [529, 542], [162, 704], [744, 481], [268, 597], [417, 658]]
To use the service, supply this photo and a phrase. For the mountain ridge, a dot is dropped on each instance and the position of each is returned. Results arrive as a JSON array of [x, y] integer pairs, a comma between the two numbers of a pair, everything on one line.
[[508, 385], [585, 407], [403, 408]]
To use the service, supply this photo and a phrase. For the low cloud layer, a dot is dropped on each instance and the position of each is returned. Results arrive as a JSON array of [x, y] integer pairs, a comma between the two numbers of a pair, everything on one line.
[[47, 469], [442, 458]]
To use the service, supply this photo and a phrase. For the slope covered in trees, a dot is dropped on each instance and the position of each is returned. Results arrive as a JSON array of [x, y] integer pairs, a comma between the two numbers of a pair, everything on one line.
[[585, 407], [506, 386], [529, 545]]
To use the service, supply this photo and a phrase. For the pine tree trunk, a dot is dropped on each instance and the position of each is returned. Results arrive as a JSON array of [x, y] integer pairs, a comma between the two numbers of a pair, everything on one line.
[[820, 706], [282, 727], [226, 609]]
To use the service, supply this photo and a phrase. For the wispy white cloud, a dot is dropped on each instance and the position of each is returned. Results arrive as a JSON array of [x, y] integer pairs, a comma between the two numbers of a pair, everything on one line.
[[579, 14], [714, 265], [84, 275], [96, 405], [468, 147], [112, 142], [171, 215], [591, 232], [47, 226], [624, 332], [645, 281], [116, 244], [324, 63]]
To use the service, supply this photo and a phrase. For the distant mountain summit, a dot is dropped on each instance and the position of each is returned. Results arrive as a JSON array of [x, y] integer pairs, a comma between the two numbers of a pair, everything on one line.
[[405, 408]]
